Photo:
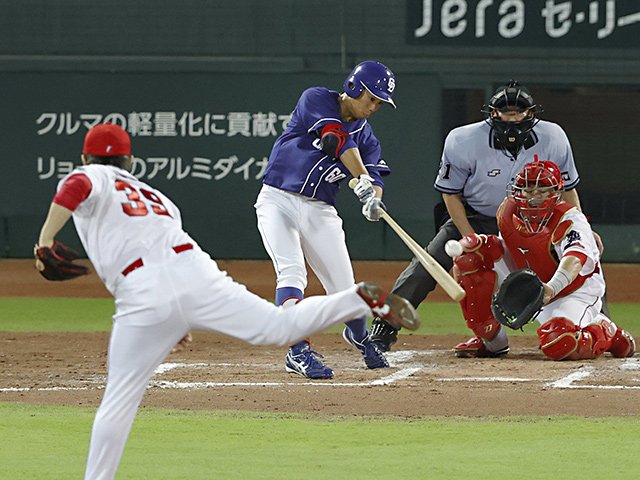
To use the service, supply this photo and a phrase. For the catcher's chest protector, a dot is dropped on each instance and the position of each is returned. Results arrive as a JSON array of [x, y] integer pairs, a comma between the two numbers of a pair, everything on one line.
[[533, 250]]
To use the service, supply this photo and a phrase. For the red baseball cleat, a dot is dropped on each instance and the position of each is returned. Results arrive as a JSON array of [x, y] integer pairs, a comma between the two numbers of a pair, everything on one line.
[[395, 310], [475, 348], [623, 344]]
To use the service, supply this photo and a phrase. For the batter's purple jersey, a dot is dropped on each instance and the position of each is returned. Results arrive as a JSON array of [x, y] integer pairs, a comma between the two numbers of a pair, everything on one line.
[[473, 167], [297, 164]]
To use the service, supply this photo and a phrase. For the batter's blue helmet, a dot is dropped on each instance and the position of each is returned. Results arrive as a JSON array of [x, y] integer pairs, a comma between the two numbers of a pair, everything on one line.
[[375, 77]]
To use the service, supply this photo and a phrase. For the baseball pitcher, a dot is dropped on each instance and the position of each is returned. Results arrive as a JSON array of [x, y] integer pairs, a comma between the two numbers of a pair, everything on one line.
[[164, 285]]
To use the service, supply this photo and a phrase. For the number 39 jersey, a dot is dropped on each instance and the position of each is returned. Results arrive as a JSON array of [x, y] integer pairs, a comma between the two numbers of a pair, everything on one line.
[[123, 219]]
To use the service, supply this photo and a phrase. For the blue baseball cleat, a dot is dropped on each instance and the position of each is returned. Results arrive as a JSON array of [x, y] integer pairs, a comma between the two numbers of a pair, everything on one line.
[[373, 356], [306, 362]]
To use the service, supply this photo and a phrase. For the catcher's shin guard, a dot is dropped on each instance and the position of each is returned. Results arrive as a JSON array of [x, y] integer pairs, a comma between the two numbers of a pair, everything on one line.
[[623, 344], [475, 348], [561, 339], [476, 305]]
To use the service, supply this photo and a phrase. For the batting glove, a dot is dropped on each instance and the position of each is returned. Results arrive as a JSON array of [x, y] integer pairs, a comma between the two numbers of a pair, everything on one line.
[[364, 188], [372, 210]]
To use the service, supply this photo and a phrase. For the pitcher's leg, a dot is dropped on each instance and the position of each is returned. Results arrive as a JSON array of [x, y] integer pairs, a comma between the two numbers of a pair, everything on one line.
[[222, 305], [134, 354]]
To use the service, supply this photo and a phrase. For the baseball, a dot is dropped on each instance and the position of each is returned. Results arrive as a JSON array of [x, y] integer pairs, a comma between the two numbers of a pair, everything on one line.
[[453, 248]]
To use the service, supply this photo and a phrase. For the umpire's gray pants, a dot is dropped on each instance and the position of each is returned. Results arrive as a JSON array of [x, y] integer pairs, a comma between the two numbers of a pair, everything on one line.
[[415, 283]]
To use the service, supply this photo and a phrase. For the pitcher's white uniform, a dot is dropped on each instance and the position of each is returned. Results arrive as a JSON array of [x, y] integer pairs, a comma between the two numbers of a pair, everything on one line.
[[164, 285]]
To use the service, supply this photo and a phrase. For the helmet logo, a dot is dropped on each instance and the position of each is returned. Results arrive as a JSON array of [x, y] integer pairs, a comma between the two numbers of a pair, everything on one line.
[[391, 84]]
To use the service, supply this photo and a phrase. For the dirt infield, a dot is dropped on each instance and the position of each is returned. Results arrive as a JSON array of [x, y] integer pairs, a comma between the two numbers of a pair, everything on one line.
[[219, 373], [18, 278]]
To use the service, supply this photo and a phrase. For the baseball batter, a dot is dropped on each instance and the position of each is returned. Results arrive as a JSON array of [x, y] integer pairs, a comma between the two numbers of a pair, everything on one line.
[[328, 140], [555, 240], [164, 285], [479, 163]]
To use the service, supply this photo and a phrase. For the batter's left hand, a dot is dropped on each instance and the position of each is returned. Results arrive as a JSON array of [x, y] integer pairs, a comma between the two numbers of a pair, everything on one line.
[[372, 210]]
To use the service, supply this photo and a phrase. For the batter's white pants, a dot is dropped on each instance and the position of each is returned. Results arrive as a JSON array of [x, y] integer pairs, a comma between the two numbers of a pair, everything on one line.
[[157, 305], [296, 229]]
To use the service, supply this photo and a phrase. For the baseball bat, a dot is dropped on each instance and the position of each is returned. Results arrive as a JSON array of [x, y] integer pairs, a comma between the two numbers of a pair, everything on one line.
[[439, 274]]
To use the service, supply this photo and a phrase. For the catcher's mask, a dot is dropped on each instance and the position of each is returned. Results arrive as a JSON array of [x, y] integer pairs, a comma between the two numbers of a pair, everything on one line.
[[537, 190], [507, 100]]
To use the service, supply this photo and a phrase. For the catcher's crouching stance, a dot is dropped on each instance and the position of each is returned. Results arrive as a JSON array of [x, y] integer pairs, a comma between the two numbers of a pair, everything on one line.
[[556, 276]]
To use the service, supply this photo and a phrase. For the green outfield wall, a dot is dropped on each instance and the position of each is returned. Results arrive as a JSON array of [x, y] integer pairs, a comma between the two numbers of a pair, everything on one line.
[[205, 87]]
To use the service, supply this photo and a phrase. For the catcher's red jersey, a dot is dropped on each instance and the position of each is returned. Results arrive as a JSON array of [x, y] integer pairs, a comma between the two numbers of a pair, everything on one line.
[[567, 233]]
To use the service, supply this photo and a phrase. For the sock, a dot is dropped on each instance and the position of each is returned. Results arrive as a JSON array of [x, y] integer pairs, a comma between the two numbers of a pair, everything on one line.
[[287, 297], [287, 293], [358, 328], [499, 342]]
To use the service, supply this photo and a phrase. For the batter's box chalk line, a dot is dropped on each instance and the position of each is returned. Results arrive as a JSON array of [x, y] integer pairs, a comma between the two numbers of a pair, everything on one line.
[[569, 381], [396, 359]]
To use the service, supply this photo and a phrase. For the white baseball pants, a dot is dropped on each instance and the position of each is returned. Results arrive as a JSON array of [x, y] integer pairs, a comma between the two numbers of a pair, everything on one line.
[[157, 304]]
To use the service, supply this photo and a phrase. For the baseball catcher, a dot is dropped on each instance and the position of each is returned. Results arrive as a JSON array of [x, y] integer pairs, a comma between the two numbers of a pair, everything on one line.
[[56, 263], [557, 280], [477, 167], [519, 299]]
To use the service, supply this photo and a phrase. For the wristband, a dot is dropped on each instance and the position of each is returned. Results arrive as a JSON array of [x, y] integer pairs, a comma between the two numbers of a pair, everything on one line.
[[560, 280]]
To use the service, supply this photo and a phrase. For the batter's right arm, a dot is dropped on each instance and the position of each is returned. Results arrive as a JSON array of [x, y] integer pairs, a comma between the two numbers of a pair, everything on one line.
[[458, 215], [353, 161]]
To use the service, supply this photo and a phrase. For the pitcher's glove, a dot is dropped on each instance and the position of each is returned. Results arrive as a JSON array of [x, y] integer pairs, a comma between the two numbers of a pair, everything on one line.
[[57, 262], [519, 299]]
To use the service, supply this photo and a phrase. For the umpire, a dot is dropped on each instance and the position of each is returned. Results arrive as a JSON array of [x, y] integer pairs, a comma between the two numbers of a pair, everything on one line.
[[479, 162]]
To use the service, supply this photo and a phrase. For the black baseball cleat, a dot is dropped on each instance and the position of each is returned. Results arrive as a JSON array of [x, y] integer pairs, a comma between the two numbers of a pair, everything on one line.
[[383, 334], [391, 308]]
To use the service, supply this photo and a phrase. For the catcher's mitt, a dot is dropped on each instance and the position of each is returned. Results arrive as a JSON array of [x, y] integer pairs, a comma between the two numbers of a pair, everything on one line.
[[519, 299], [58, 262]]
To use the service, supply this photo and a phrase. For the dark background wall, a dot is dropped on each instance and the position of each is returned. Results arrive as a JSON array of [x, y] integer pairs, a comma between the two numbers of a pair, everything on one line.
[[204, 87]]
